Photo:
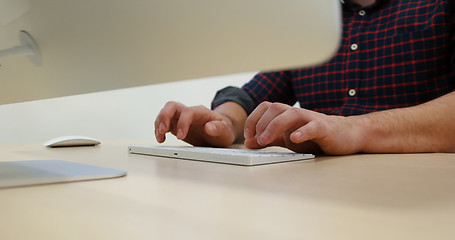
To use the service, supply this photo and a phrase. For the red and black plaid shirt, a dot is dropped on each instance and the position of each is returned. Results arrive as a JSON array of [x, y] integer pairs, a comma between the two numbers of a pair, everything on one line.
[[396, 53]]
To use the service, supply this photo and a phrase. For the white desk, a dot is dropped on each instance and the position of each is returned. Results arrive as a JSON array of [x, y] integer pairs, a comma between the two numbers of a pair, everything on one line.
[[353, 197]]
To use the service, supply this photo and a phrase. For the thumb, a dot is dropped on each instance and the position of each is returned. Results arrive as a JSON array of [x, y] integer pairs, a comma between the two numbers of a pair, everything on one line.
[[309, 131], [214, 128]]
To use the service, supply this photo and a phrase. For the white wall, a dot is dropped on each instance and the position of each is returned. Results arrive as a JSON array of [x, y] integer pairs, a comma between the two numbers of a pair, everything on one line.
[[118, 114]]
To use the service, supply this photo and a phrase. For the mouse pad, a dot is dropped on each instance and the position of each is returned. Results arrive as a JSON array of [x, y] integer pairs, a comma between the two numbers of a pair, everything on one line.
[[35, 172]]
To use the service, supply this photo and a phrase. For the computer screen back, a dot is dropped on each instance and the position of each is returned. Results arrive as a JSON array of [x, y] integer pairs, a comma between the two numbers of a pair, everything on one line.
[[98, 45]]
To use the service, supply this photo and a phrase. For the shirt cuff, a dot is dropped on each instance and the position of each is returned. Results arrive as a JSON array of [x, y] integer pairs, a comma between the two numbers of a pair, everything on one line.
[[234, 94]]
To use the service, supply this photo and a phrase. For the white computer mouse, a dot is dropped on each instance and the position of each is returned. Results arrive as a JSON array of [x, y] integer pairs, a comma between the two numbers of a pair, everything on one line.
[[71, 141]]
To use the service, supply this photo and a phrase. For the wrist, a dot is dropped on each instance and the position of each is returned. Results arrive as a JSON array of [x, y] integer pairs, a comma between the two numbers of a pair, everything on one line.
[[376, 134], [362, 132]]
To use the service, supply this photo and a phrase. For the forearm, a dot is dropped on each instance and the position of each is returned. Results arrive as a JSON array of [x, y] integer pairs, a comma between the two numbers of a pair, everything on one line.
[[237, 117], [429, 127]]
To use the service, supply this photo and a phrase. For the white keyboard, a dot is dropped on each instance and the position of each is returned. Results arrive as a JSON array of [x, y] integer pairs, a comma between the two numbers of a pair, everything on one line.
[[220, 155]]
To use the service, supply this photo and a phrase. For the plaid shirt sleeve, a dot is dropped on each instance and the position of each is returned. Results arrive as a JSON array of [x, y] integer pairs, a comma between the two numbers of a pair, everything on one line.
[[395, 53]]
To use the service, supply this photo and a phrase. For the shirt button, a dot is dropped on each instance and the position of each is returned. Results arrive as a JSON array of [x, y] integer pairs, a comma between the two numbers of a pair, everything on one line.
[[352, 92], [362, 12], [354, 46]]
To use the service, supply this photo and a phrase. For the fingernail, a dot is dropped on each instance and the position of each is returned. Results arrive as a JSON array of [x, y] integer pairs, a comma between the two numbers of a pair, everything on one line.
[[180, 134], [297, 135], [264, 138], [247, 134], [211, 127]]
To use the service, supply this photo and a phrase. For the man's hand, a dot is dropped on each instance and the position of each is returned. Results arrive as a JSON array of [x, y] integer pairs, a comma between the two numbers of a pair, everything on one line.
[[197, 125], [301, 130]]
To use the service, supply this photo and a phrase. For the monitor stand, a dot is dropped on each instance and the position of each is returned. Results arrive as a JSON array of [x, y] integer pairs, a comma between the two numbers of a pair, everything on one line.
[[36, 172]]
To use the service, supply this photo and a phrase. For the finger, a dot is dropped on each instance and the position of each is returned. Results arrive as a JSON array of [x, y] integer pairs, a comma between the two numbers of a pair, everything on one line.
[[252, 143], [214, 128], [218, 133], [270, 114], [284, 122], [274, 122], [167, 113], [164, 118], [159, 137], [253, 118], [197, 116], [184, 122], [312, 130]]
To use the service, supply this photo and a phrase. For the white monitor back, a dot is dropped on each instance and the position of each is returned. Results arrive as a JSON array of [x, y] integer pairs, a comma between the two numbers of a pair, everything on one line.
[[97, 45]]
